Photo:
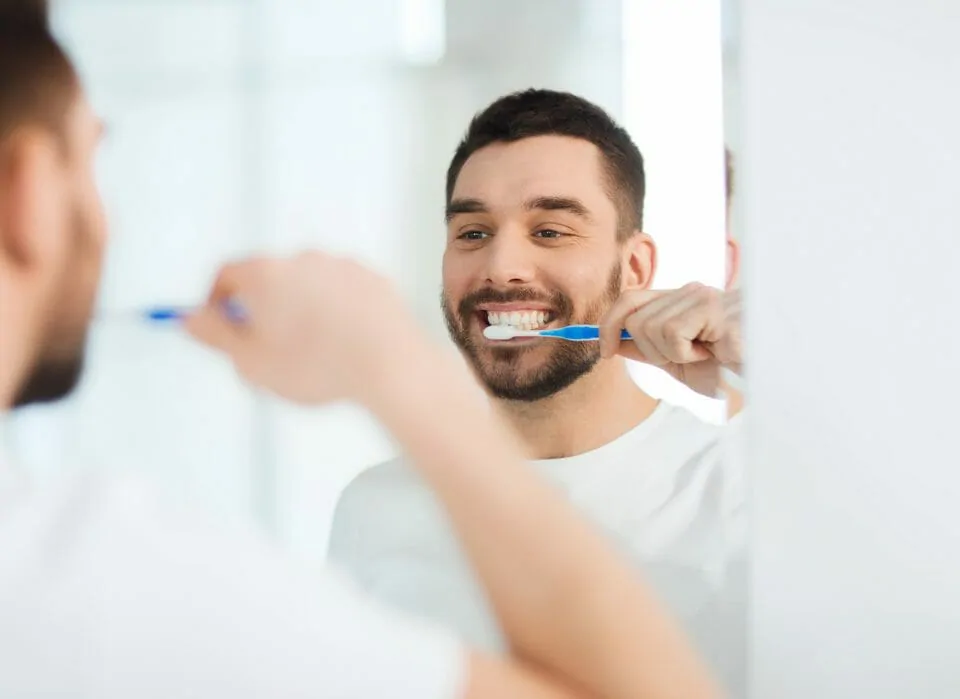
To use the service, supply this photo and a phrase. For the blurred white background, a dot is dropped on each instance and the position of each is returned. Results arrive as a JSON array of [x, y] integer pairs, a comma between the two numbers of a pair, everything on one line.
[[239, 126]]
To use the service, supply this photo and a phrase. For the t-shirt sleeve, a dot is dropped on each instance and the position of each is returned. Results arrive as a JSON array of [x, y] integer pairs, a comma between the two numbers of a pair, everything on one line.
[[348, 522], [107, 595], [363, 518]]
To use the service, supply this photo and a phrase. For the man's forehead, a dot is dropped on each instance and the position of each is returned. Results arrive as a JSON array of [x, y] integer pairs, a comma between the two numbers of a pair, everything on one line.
[[511, 173]]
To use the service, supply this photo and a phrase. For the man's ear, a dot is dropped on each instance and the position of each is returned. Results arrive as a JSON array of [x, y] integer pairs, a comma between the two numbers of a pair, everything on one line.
[[733, 263], [29, 187], [640, 260]]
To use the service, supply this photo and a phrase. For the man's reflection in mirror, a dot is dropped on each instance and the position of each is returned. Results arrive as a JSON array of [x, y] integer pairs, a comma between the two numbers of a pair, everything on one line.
[[544, 213]]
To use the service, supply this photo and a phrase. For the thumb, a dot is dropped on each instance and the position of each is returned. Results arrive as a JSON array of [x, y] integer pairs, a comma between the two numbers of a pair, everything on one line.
[[210, 326], [629, 301]]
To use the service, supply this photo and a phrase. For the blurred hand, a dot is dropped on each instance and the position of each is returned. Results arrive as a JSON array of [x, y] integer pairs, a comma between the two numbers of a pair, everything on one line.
[[317, 328], [689, 332]]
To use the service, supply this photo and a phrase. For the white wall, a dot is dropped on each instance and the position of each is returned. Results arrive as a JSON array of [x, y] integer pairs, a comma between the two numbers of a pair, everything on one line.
[[849, 170]]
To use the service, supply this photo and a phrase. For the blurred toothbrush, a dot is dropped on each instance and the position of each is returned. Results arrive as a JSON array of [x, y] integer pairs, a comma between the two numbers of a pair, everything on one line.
[[160, 315], [574, 333]]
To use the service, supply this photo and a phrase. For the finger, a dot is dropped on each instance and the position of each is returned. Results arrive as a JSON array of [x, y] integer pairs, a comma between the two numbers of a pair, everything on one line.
[[210, 324], [638, 324], [676, 330], [637, 327], [723, 308], [629, 302], [239, 279], [726, 332]]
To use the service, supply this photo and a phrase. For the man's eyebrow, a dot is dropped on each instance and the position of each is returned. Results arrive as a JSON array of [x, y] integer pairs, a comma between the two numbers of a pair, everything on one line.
[[568, 204], [464, 206]]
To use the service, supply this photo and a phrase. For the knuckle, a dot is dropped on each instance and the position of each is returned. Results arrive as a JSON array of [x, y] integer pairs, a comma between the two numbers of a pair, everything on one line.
[[673, 327], [706, 293]]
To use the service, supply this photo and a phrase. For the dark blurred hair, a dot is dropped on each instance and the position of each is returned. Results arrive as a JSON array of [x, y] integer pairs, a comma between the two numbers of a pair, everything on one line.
[[37, 81], [538, 112]]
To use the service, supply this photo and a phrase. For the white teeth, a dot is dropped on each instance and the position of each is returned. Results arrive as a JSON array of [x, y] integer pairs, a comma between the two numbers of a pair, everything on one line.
[[525, 320]]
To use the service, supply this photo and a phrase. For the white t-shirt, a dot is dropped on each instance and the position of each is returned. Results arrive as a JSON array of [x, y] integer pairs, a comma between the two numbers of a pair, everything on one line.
[[106, 594], [670, 492]]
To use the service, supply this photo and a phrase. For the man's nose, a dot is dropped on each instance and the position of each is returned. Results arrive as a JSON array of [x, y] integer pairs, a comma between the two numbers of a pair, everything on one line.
[[510, 260]]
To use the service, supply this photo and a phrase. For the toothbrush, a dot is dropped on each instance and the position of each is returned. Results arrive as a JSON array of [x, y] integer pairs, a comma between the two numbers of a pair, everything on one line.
[[575, 333], [175, 314]]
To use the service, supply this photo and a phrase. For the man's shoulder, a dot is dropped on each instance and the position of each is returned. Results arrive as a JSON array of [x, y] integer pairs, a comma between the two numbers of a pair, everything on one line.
[[675, 434], [679, 417], [713, 449], [60, 542], [681, 421], [381, 501], [393, 476]]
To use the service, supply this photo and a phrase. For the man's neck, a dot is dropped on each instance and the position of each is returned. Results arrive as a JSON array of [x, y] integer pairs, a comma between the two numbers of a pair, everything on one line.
[[595, 410]]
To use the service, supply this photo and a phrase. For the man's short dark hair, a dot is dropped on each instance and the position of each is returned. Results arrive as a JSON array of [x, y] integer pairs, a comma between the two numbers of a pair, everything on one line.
[[37, 82], [538, 112]]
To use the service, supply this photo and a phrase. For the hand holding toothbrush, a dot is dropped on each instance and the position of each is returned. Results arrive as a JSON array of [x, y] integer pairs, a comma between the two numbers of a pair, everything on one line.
[[689, 332], [316, 328]]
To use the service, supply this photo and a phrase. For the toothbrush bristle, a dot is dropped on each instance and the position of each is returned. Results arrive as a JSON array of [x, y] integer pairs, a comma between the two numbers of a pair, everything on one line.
[[499, 332]]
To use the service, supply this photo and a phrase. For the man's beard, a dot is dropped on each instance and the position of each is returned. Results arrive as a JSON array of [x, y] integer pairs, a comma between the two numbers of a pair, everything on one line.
[[499, 367], [60, 355], [51, 379]]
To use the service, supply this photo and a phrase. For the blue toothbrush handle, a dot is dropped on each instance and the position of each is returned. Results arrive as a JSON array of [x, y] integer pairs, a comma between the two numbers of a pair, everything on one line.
[[174, 314], [164, 314], [580, 333]]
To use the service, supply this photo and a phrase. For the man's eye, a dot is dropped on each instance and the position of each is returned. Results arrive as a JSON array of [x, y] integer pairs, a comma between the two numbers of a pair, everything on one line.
[[549, 233], [473, 235]]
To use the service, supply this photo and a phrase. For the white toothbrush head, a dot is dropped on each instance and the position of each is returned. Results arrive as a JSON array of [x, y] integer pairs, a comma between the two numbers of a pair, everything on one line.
[[507, 332]]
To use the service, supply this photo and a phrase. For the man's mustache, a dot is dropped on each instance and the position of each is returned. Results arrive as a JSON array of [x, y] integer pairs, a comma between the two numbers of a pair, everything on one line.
[[557, 301]]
